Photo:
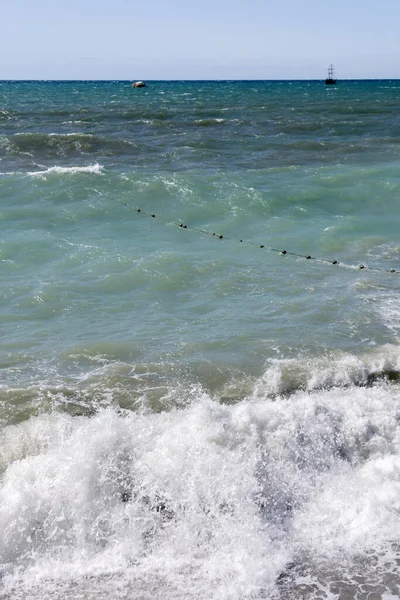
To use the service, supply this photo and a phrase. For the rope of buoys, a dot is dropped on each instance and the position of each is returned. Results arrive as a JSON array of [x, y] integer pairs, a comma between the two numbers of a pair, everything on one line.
[[280, 251]]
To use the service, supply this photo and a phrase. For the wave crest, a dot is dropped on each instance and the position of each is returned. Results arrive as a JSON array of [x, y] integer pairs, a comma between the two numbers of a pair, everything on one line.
[[96, 169], [283, 377]]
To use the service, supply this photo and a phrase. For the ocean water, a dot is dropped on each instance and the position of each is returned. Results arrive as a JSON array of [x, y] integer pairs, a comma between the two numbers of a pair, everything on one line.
[[190, 408]]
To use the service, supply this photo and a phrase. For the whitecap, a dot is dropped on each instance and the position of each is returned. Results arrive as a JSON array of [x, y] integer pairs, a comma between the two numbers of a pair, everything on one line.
[[95, 169]]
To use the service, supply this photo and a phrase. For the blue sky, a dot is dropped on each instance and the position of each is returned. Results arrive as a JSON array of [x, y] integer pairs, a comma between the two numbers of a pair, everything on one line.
[[206, 39]]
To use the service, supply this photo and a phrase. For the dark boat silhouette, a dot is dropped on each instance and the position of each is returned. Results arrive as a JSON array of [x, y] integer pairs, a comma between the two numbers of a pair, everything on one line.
[[331, 79]]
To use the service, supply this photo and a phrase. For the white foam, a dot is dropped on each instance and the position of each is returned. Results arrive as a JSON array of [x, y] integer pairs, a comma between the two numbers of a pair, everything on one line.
[[71, 134], [211, 501], [329, 371], [94, 169]]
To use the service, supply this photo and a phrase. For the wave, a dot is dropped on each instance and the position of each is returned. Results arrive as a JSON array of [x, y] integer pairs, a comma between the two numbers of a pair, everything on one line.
[[86, 379], [47, 145], [94, 169], [209, 122], [6, 115], [336, 370], [211, 501]]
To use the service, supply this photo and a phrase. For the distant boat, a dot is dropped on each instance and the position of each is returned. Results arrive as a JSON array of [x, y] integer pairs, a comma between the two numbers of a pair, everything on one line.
[[139, 84], [331, 79]]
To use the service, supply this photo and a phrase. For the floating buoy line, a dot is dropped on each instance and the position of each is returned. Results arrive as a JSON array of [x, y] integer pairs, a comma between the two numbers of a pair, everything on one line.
[[282, 252]]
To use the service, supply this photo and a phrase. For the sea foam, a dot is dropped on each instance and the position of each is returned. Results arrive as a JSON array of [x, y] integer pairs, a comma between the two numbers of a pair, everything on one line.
[[96, 169], [209, 501]]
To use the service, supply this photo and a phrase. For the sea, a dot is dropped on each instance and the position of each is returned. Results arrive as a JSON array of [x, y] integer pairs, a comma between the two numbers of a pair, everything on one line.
[[200, 328]]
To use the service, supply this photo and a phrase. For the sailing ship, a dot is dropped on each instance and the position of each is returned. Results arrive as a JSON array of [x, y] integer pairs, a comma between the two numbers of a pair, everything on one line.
[[331, 79]]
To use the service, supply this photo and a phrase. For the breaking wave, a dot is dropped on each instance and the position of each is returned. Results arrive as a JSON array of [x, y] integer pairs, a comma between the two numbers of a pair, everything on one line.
[[94, 169], [263, 499]]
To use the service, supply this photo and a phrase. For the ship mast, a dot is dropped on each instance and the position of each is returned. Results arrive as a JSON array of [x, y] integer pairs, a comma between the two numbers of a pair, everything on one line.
[[331, 78]]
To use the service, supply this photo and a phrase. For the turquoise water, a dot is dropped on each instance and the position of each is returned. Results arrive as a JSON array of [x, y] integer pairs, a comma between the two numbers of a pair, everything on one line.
[[184, 414]]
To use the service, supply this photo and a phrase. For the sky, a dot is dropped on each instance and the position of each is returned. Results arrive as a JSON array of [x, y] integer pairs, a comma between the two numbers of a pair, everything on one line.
[[202, 39]]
